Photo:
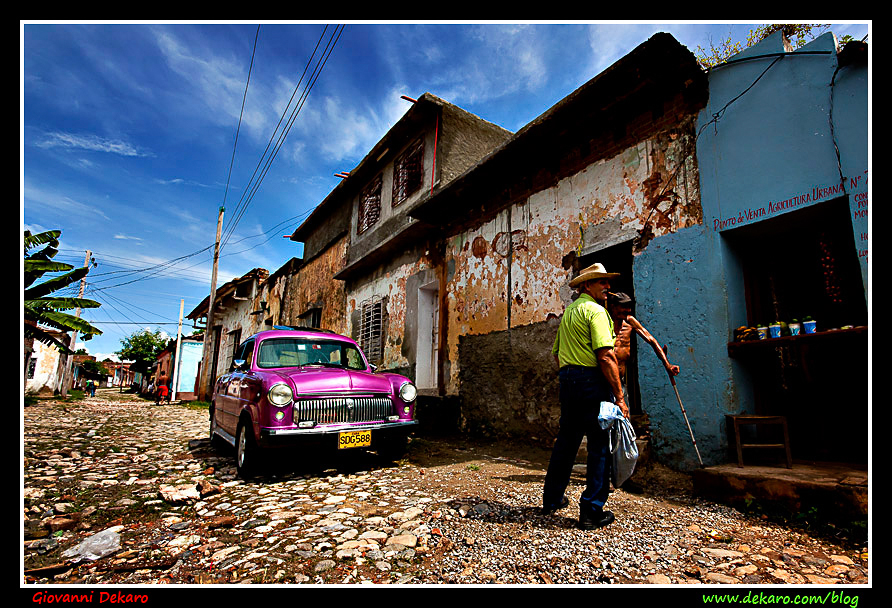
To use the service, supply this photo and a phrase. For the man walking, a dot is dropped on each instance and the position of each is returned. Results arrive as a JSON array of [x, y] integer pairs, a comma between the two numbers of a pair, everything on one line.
[[588, 375]]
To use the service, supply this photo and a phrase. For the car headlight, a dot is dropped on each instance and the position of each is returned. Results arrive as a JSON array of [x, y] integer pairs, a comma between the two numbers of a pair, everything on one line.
[[408, 392], [280, 394]]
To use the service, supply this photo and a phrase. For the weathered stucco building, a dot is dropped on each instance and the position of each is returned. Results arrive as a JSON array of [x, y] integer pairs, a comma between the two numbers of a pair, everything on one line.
[[367, 260], [448, 251], [43, 371], [232, 321], [594, 179]]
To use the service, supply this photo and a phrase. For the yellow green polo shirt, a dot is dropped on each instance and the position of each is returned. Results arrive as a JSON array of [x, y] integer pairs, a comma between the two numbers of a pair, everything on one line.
[[585, 327]]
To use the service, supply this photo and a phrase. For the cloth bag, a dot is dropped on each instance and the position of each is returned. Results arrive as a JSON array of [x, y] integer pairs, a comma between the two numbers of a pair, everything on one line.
[[621, 441]]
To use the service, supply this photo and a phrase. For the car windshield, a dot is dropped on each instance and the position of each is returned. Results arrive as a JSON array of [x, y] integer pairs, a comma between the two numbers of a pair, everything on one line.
[[298, 352]]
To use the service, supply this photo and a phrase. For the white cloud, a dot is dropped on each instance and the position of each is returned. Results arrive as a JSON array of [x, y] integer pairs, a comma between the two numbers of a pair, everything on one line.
[[37, 198], [179, 181], [91, 143], [218, 83], [486, 62]]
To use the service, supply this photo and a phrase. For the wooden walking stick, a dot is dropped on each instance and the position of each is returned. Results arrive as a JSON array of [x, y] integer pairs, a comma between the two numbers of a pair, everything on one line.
[[683, 413]]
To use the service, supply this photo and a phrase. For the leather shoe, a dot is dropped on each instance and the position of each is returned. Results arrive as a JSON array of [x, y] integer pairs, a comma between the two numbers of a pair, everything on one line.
[[552, 508], [595, 519]]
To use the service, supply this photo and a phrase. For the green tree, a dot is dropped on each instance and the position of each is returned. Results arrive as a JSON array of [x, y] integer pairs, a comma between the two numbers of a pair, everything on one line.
[[93, 369], [143, 348], [798, 34], [42, 309]]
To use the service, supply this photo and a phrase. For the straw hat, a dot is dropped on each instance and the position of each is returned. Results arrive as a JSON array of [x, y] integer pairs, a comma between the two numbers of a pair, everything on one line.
[[593, 272]]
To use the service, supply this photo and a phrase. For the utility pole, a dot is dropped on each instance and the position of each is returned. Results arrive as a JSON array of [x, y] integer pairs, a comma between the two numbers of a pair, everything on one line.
[[66, 370], [176, 359], [207, 360]]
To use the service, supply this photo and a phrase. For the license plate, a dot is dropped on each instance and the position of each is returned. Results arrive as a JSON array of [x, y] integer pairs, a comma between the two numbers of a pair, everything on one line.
[[354, 439]]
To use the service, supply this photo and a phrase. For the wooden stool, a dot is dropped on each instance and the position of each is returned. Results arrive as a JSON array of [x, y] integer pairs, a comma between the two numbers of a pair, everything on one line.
[[738, 420]]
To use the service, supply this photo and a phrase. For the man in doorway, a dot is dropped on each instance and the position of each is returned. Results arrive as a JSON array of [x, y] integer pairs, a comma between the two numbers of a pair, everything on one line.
[[620, 306], [584, 351]]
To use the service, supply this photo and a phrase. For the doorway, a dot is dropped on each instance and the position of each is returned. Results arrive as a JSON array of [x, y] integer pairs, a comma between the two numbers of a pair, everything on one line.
[[427, 346], [618, 258], [805, 263]]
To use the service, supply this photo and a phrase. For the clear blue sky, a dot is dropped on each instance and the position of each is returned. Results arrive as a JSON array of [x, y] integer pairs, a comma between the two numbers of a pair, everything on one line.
[[128, 132]]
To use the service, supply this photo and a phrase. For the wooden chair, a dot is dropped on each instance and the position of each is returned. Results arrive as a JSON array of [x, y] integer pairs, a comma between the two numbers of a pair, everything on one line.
[[737, 420]]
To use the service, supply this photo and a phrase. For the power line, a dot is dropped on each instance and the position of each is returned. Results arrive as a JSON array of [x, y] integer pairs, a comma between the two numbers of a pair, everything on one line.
[[135, 322], [230, 229], [335, 36], [241, 113]]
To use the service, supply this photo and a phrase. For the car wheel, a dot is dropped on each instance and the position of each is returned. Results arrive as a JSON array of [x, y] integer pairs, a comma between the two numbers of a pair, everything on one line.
[[246, 452]]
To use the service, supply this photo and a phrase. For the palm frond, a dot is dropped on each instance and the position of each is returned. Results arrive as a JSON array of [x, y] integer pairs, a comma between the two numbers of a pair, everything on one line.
[[56, 283], [33, 240], [42, 336], [60, 303], [58, 320]]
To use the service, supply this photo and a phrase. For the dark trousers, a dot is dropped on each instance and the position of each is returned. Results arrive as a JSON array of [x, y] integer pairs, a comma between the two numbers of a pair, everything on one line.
[[582, 391]]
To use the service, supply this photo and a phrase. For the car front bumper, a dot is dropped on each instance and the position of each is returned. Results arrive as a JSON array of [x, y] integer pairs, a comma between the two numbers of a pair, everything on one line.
[[383, 431]]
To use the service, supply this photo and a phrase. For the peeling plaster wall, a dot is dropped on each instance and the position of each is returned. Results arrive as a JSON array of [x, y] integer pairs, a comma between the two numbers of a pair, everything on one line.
[[47, 369], [513, 272], [236, 316], [312, 286], [394, 285], [273, 294]]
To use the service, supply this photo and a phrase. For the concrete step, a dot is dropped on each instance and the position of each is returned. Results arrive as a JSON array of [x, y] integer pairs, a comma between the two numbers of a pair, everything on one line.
[[835, 491]]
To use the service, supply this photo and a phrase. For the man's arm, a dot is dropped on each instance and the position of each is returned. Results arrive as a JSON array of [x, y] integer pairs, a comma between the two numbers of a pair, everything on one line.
[[671, 369], [610, 369]]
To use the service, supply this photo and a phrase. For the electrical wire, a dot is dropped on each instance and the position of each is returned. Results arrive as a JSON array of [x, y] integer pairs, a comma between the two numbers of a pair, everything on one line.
[[715, 119], [241, 113], [335, 36], [231, 226]]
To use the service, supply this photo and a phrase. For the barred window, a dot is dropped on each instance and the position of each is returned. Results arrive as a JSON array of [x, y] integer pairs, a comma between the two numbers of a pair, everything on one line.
[[311, 318], [371, 329], [408, 170], [369, 206]]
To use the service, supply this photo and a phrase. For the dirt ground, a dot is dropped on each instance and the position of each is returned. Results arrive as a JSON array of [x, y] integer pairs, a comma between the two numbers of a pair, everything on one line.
[[503, 458]]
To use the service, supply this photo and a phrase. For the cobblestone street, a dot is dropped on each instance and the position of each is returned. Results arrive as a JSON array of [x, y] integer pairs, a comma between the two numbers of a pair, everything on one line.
[[119, 491]]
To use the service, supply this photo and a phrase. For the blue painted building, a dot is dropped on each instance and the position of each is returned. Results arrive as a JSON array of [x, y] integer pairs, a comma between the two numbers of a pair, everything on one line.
[[187, 371], [782, 151]]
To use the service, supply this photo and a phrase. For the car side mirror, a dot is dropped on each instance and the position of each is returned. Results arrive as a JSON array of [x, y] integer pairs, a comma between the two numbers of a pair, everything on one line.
[[373, 367], [239, 364]]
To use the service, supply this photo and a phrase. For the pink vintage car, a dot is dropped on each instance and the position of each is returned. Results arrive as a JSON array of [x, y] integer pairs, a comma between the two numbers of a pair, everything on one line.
[[292, 386]]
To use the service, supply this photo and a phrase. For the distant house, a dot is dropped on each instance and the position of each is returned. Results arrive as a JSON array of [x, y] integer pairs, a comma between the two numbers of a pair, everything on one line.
[[233, 304], [121, 374], [43, 371], [182, 376]]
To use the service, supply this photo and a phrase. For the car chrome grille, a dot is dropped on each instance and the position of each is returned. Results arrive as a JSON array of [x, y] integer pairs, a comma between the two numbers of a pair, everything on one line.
[[329, 410]]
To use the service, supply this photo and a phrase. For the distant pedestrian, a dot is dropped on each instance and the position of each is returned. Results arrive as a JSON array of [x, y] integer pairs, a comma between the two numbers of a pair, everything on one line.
[[91, 386], [162, 391]]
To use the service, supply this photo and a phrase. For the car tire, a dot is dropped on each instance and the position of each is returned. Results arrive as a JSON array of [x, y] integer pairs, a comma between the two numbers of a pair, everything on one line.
[[246, 451]]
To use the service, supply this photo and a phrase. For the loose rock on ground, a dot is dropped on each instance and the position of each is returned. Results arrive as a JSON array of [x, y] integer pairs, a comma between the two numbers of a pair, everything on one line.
[[118, 490]]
